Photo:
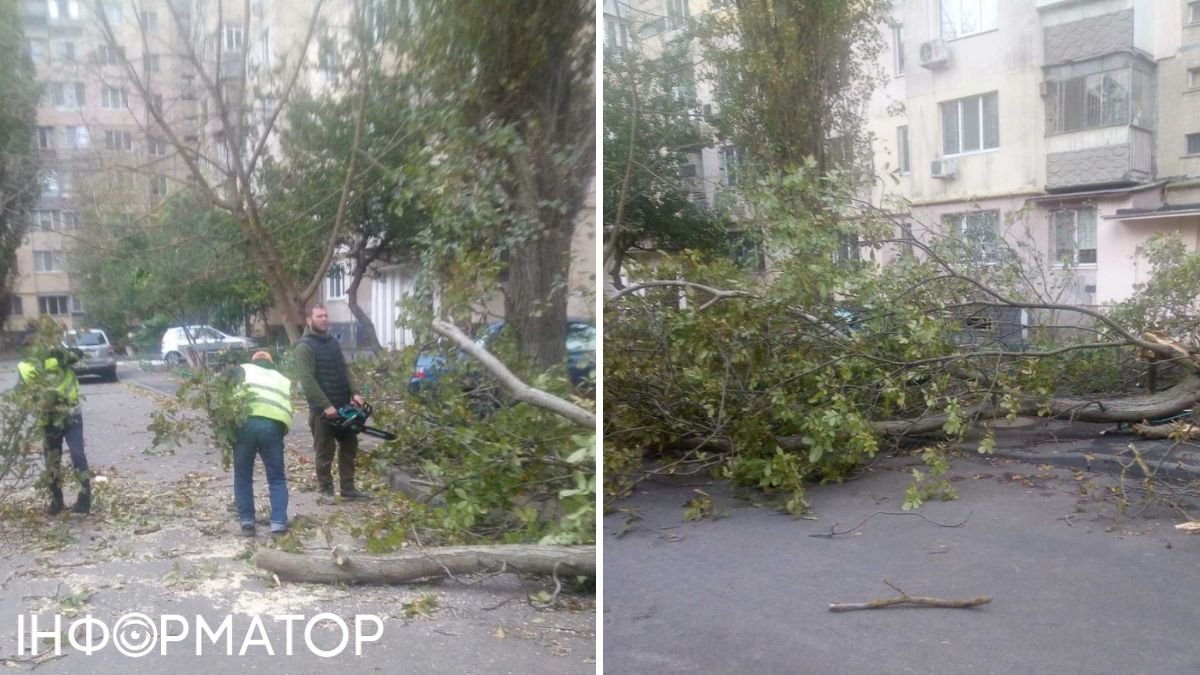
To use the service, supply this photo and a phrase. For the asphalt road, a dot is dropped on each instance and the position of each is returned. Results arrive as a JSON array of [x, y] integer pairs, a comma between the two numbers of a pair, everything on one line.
[[1076, 587], [162, 541]]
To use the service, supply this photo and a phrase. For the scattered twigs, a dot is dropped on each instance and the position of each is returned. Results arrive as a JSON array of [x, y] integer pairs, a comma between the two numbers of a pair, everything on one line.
[[906, 599], [833, 532]]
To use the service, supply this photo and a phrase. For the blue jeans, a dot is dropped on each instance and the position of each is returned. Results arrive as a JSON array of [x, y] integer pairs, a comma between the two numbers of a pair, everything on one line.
[[262, 437]]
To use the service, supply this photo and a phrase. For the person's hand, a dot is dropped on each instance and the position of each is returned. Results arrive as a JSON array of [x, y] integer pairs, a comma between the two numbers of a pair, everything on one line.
[[331, 412], [358, 400]]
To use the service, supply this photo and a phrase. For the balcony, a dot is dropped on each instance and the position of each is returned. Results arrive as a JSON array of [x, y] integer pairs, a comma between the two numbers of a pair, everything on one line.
[[1107, 156]]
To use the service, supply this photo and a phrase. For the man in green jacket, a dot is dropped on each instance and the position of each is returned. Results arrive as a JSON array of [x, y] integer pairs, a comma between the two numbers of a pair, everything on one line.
[[60, 418], [262, 435], [328, 385]]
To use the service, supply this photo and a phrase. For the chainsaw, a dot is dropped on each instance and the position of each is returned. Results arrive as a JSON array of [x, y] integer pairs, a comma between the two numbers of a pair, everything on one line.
[[354, 418]]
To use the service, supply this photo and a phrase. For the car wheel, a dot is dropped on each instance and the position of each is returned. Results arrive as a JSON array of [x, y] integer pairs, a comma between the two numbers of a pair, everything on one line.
[[110, 375], [173, 358]]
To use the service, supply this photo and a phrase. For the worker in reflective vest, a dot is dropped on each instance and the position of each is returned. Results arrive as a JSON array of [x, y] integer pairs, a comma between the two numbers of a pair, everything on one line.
[[262, 435], [60, 418]]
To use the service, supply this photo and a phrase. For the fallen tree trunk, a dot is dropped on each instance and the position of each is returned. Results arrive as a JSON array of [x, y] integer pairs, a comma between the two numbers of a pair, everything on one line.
[[1183, 432], [358, 568]]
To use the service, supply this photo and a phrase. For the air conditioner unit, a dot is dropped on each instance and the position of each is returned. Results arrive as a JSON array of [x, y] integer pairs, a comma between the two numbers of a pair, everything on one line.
[[934, 55], [943, 168]]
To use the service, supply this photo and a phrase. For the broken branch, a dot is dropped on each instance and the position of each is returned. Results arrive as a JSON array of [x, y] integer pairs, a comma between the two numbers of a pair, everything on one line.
[[906, 599]]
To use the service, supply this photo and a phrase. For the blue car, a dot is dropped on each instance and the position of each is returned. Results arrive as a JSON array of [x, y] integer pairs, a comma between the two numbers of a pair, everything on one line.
[[581, 357]]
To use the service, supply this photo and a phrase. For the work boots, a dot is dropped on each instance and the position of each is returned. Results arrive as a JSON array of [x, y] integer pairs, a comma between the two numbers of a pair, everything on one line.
[[56, 500], [83, 503]]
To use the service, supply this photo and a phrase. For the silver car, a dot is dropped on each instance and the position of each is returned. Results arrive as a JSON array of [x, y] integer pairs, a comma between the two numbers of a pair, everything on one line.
[[99, 356]]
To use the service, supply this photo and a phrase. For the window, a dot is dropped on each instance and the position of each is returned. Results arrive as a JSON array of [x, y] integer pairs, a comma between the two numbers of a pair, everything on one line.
[[978, 232], [898, 49], [65, 52], [155, 104], [113, 56], [150, 21], [67, 94], [70, 220], [902, 149], [151, 63], [158, 186], [112, 10], [1074, 236], [336, 282], [1193, 144], [63, 9], [47, 261], [1087, 102], [113, 98], [45, 137], [156, 147], [118, 141], [231, 37], [187, 91], [264, 48], [45, 221], [960, 18], [1194, 78], [50, 184], [1194, 12], [677, 13], [730, 158], [77, 138], [971, 124], [76, 305], [53, 304], [616, 33], [36, 50], [327, 60], [16, 307]]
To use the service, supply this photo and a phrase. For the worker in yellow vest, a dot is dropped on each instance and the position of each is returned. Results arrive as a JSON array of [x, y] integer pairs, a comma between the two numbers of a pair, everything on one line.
[[262, 435], [60, 418]]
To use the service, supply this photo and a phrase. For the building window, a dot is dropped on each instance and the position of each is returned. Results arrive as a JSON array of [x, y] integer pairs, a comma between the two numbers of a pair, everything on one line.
[[45, 137], [1193, 144], [63, 9], [151, 63], [156, 147], [1194, 78], [898, 49], [231, 37], [55, 305], [730, 158], [77, 138], [1074, 236], [47, 261], [158, 186], [76, 305], [1194, 12], [150, 21], [971, 124], [978, 233], [67, 94], [36, 50], [902, 149], [113, 98], [70, 220], [677, 13], [45, 221], [50, 184], [616, 34], [112, 10], [110, 55], [118, 141], [327, 60], [960, 18], [335, 287], [16, 307], [65, 52], [1097, 100], [264, 48]]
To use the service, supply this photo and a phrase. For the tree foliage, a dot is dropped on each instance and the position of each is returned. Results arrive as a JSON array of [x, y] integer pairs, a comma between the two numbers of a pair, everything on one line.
[[19, 187]]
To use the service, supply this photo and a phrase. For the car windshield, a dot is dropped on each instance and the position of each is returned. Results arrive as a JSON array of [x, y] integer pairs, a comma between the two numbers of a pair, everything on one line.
[[89, 338], [581, 338]]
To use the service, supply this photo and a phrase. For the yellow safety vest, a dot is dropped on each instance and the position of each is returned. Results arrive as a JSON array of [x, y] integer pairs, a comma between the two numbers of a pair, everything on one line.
[[272, 394], [68, 383]]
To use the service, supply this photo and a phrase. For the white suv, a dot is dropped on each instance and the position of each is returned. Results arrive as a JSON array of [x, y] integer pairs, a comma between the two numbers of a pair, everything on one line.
[[99, 356], [204, 339]]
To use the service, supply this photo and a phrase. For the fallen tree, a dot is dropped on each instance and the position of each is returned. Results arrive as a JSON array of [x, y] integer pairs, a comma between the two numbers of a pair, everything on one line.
[[343, 567]]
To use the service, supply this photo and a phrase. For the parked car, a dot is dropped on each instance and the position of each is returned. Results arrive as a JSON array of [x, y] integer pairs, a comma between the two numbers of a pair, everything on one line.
[[204, 339], [581, 356], [99, 356]]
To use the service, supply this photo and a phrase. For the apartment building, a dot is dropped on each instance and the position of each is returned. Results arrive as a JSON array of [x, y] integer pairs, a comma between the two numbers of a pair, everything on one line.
[[1068, 127]]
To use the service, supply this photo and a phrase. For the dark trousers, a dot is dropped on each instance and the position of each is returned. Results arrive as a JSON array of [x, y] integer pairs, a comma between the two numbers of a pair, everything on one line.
[[328, 441], [52, 442]]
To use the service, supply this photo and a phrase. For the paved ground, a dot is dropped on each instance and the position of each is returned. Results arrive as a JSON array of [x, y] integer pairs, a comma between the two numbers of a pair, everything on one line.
[[1077, 585], [162, 541]]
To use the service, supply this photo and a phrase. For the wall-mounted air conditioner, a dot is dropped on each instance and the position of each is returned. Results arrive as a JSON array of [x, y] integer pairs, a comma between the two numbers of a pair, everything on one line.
[[943, 168], [935, 55]]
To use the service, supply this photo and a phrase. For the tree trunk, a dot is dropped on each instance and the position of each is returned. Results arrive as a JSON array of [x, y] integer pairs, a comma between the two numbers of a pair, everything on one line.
[[433, 562], [535, 304], [362, 262]]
